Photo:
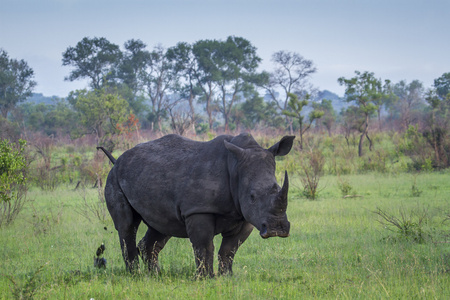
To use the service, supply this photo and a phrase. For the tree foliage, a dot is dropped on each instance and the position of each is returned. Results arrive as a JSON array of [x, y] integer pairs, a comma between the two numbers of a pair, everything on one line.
[[442, 85], [158, 78], [53, 119], [408, 101], [236, 61], [16, 82], [99, 111], [365, 91], [437, 127], [94, 59], [295, 107], [290, 76], [12, 168], [329, 114]]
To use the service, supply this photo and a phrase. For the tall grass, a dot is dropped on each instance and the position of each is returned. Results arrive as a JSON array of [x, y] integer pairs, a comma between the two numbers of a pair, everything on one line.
[[337, 249]]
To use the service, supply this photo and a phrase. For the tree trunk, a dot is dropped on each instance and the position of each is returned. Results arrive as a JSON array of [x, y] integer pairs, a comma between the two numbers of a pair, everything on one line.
[[360, 150], [361, 139], [4, 112], [379, 120], [301, 135], [209, 112], [192, 108], [370, 142]]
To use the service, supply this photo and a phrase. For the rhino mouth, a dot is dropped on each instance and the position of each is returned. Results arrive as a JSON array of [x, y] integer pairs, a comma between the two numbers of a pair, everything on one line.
[[278, 231]]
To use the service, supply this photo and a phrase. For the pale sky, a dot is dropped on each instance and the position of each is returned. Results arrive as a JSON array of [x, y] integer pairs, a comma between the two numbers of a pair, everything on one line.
[[395, 39]]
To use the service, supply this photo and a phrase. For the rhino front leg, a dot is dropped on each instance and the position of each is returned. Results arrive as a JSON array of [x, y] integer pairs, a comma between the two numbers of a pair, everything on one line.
[[230, 244], [200, 229], [150, 246]]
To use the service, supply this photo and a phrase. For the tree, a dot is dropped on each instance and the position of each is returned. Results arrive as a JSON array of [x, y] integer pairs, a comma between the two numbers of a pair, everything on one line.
[[442, 85], [363, 89], [409, 98], [329, 114], [134, 61], [130, 74], [53, 119], [295, 107], [385, 96], [437, 124], [186, 67], [352, 120], [207, 73], [236, 62], [256, 112], [158, 78], [95, 59], [290, 76], [253, 110], [99, 112], [16, 82]]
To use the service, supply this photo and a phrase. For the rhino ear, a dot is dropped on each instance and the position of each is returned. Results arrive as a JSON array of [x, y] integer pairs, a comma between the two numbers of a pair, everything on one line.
[[237, 151], [283, 146]]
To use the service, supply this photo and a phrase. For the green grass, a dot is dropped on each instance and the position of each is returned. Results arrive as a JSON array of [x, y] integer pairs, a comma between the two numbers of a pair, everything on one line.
[[337, 249]]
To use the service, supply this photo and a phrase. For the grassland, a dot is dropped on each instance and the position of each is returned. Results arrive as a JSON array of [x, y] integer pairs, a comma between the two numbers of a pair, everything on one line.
[[337, 249]]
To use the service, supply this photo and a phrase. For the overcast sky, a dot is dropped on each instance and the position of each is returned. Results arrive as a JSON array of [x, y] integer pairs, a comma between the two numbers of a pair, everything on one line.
[[395, 39]]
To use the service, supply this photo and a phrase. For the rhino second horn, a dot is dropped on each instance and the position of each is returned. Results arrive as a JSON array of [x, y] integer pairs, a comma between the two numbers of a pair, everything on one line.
[[284, 191]]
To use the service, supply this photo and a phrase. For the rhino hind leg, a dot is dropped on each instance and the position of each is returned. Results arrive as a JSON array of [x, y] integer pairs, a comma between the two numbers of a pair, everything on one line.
[[200, 229], [150, 246], [230, 244], [127, 236], [126, 221]]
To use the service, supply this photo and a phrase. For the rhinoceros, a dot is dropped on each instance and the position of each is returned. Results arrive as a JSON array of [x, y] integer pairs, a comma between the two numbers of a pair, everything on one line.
[[189, 189]]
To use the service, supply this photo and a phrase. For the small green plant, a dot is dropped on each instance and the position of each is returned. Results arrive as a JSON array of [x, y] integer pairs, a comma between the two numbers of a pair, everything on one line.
[[415, 191], [26, 289], [408, 225], [345, 187]]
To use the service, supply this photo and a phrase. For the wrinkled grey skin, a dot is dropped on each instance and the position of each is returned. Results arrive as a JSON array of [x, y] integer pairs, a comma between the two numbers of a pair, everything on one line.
[[188, 189]]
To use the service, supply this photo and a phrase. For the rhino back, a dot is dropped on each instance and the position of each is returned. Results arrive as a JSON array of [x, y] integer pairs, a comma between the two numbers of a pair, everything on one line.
[[168, 179]]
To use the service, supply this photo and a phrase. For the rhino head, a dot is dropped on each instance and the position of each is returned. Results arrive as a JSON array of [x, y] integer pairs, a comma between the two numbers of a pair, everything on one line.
[[254, 188]]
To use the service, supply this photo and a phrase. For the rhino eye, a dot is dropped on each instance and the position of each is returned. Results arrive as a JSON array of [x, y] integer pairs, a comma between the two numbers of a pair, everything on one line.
[[274, 189], [252, 197]]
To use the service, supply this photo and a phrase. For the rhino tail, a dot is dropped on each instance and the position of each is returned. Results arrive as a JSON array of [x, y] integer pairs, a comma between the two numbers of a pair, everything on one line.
[[111, 158]]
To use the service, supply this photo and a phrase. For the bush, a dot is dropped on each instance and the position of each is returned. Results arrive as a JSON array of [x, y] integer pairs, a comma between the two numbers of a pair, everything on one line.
[[311, 171], [44, 174], [345, 187], [415, 147], [13, 180], [408, 226]]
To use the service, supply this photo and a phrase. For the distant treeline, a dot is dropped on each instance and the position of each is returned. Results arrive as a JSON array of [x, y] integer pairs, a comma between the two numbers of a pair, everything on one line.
[[215, 85]]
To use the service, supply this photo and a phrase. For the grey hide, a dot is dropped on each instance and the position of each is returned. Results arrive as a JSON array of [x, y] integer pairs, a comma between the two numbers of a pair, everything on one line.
[[189, 189]]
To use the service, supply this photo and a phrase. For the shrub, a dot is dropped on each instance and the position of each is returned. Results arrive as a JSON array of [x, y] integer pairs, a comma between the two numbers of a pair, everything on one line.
[[345, 187], [92, 209], [415, 191], [375, 161], [44, 174], [311, 169], [27, 288], [408, 226], [13, 180], [415, 147]]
